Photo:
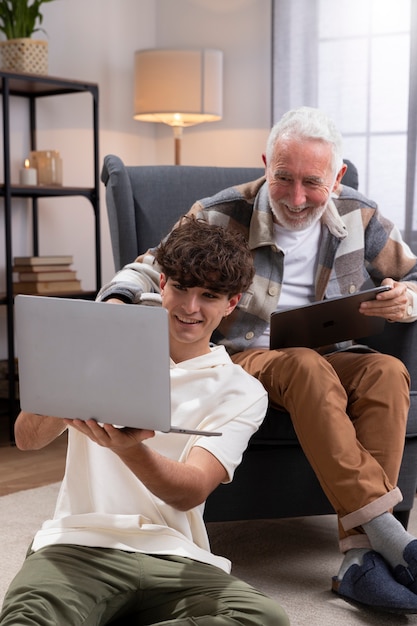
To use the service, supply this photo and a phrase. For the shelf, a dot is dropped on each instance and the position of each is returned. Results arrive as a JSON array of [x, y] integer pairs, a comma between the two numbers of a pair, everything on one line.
[[33, 85], [38, 191], [86, 295]]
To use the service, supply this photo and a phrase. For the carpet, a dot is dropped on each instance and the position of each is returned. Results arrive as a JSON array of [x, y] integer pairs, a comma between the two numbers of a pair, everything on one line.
[[291, 560]]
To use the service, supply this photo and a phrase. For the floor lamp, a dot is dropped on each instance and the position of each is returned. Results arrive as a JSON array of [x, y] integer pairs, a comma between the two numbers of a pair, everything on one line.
[[179, 88]]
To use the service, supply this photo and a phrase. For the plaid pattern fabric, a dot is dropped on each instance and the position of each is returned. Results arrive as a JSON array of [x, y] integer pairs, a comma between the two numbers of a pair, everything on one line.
[[357, 243]]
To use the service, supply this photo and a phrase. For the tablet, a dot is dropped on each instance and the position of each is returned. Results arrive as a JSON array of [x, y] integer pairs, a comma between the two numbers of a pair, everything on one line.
[[325, 322]]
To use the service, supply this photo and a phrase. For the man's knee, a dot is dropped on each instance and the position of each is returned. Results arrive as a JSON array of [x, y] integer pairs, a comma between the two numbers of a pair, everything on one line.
[[385, 368], [297, 365], [270, 362]]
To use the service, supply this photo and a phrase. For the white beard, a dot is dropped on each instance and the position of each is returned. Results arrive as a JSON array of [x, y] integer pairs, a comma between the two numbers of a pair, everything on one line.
[[304, 221]]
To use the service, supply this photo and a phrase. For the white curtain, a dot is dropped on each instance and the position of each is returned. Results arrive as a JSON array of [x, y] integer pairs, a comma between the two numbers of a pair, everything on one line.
[[357, 60], [410, 229], [294, 55]]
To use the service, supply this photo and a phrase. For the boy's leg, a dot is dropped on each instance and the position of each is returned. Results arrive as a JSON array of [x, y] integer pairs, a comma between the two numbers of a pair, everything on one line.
[[92, 586], [66, 584], [184, 592]]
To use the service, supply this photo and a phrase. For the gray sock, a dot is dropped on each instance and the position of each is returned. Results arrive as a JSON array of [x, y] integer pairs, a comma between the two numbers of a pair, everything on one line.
[[352, 557], [388, 537]]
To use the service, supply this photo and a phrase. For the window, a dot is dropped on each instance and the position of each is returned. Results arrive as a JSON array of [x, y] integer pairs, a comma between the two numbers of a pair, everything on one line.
[[357, 65]]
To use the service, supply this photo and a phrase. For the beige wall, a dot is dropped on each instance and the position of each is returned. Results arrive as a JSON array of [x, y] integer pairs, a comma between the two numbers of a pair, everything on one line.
[[95, 40]]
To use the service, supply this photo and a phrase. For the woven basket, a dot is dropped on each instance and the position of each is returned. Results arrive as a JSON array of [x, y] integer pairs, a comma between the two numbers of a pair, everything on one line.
[[24, 56]]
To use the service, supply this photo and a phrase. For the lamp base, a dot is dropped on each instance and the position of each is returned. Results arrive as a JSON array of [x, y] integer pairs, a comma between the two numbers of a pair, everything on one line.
[[177, 143]]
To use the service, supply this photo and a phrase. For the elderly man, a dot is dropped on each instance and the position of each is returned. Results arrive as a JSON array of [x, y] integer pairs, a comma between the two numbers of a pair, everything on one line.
[[312, 238]]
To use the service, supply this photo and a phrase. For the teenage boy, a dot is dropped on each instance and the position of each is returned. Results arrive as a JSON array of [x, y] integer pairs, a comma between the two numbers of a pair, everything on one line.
[[127, 536]]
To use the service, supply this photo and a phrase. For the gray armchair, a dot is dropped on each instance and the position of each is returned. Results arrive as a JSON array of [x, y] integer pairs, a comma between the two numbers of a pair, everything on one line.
[[274, 479]]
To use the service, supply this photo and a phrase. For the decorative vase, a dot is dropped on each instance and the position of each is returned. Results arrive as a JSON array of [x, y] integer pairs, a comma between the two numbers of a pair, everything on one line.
[[48, 164], [24, 56]]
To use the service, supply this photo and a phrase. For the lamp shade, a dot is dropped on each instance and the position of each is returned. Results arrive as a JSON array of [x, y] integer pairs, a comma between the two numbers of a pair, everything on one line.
[[178, 87]]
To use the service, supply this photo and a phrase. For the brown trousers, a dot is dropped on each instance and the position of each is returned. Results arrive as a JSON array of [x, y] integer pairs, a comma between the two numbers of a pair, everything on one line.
[[349, 411]]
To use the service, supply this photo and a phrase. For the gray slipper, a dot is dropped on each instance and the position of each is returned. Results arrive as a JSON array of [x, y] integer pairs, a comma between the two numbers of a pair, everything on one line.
[[407, 576], [372, 585]]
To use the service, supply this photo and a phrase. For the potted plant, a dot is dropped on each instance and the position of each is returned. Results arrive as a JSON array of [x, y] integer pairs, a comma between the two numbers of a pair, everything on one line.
[[19, 20]]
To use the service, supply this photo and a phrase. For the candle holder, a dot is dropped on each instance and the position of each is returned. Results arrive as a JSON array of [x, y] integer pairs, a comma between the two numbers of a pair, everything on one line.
[[49, 167]]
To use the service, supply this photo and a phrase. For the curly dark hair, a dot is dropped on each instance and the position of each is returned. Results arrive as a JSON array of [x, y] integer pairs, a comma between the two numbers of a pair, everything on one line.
[[199, 254]]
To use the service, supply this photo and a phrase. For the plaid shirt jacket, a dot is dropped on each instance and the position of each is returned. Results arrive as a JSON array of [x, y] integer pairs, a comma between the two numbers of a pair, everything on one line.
[[357, 244]]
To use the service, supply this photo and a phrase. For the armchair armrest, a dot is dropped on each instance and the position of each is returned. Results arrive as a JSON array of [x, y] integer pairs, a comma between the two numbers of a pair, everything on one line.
[[399, 340]]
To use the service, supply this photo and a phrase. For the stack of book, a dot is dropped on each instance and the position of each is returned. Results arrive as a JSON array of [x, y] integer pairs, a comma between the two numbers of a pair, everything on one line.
[[45, 275]]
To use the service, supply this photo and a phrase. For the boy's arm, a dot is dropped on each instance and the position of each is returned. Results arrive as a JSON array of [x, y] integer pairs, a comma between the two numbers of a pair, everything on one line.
[[181, 485]]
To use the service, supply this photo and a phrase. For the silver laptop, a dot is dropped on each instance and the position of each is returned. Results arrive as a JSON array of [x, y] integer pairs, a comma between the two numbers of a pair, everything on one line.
[[84, 359], [325, 322]]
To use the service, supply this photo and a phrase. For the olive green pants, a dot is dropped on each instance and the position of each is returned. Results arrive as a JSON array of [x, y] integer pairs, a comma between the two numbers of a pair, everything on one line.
[[65, 585]]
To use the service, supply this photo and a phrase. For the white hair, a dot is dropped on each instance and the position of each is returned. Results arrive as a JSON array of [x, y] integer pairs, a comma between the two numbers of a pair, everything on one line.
[[307, 123]]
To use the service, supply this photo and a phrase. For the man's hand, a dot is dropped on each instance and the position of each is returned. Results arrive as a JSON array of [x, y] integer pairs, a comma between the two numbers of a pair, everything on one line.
[[108, 436], [392, 305]]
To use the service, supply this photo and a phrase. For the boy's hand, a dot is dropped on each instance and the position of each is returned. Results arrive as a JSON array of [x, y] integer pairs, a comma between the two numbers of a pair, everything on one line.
[[109, 436]]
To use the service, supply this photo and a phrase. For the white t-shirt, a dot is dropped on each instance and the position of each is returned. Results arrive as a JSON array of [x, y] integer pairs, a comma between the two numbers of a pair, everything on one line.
[[300, 249], [101, 503]]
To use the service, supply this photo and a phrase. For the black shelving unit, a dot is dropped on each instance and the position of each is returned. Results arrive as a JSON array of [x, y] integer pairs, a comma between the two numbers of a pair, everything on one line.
[[32, 88]]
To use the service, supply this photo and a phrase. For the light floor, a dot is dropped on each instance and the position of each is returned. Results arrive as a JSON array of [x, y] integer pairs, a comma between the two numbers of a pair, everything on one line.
[[20, 470]]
